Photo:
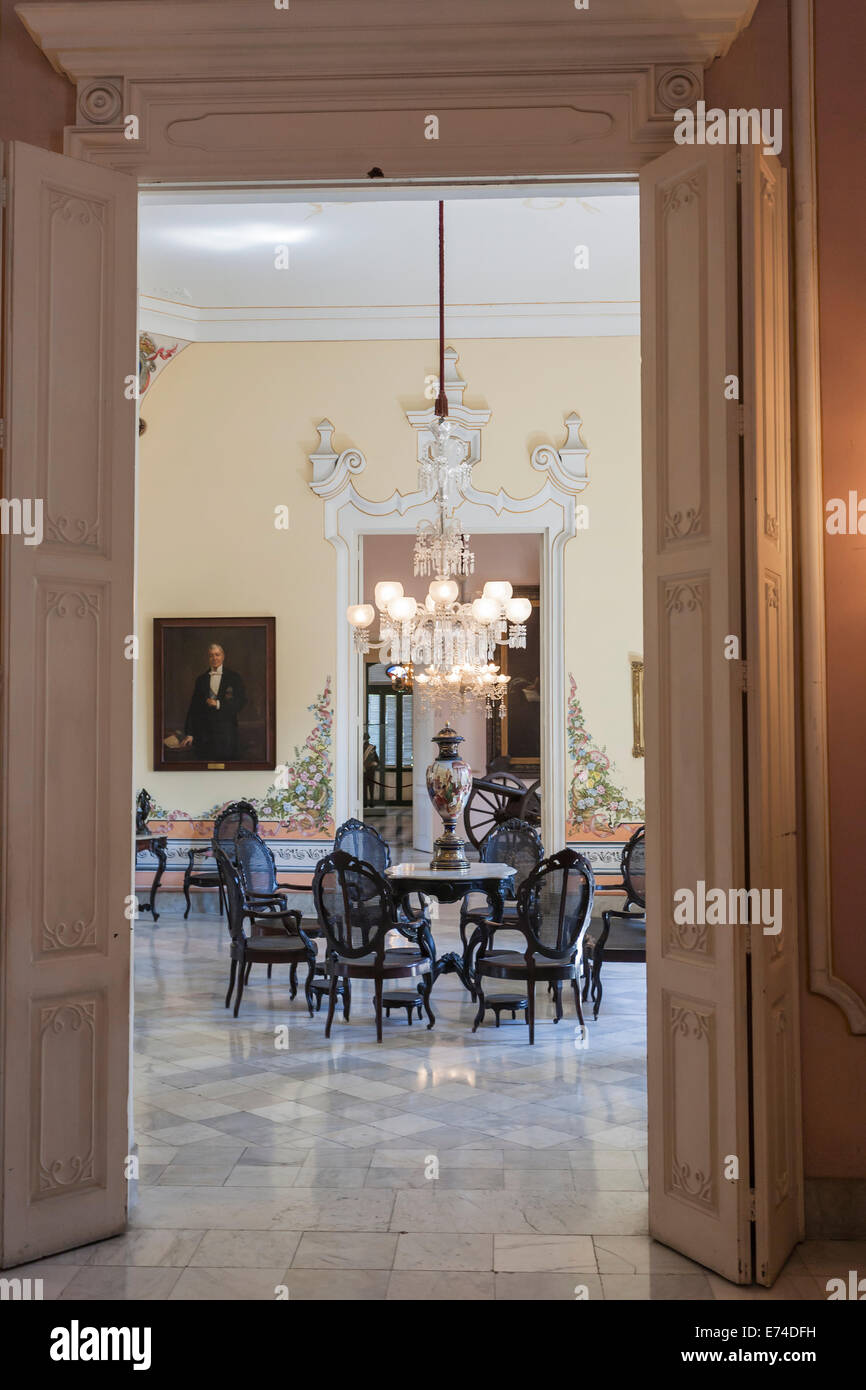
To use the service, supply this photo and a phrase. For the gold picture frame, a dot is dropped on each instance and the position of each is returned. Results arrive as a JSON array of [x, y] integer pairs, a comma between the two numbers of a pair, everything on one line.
[[639, 749]]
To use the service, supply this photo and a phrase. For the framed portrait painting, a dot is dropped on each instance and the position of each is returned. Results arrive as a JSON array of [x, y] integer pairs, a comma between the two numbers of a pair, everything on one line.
[[214, 697]]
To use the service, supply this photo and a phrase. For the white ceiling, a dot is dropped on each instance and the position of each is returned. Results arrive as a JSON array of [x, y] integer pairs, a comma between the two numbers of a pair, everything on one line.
[[367, 269]]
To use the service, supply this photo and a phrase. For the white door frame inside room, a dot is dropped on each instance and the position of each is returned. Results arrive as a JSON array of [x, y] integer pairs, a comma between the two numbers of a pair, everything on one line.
[[551, 515], [209, 109]]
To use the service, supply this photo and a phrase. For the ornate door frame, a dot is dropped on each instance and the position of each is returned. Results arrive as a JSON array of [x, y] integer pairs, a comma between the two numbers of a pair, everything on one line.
[[551, 514], [222, 102]]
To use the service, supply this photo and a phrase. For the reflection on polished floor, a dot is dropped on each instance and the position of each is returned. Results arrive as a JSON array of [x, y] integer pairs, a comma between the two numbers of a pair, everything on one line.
[[438, 1165]]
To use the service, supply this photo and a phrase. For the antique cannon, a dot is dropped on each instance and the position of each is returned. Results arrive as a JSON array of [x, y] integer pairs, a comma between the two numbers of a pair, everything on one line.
[[497, 797]]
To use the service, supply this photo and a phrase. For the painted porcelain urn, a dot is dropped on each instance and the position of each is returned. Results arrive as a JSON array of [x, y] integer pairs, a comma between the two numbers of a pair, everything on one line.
[[449, 782]]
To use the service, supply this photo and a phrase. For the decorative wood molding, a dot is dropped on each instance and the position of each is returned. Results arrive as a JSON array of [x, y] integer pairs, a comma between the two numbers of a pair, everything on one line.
[[160, 37], [68, 1054], [332, 471], [677, 87], [100, 101], [555, 91], [813, 633], [691, 1039], [567, 465]]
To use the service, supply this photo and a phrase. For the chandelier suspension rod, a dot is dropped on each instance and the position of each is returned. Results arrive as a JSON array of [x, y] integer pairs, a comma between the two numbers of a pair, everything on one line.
[[442, 399]]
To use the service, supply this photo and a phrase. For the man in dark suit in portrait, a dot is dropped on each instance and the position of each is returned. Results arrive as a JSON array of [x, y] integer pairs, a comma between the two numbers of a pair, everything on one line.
[[212, 719]]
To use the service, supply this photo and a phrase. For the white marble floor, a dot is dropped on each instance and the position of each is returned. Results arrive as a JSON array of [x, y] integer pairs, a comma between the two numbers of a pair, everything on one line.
[[438, 1165]]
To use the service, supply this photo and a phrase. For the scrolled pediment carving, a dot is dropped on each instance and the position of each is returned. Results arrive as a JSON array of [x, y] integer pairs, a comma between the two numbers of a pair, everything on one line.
[[567, 465], [332, 471]]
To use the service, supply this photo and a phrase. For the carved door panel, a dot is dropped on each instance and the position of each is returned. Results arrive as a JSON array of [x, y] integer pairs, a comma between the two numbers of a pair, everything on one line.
[[695, 794], [722, 1015], [67, 604], [778, 1174]]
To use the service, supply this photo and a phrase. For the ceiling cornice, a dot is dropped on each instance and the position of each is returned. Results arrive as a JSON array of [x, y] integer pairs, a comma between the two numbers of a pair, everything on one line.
[[332, 38]]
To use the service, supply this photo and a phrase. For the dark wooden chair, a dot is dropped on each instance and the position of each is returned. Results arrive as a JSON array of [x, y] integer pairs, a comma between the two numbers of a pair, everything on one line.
[[553, 909], [258, 874], [364, 842], [356, 910], [283, 942], [517, 843], [623, 934], [238, 815]]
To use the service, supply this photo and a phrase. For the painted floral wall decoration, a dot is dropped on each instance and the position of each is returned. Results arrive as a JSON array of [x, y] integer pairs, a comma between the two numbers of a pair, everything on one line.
[[301, 797], [155, 351], [595, 803]]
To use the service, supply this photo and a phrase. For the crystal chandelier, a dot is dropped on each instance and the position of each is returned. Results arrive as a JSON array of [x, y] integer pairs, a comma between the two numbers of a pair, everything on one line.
[[464, 685], [441, 632], [449, 644], [446, 469], [441, 546]]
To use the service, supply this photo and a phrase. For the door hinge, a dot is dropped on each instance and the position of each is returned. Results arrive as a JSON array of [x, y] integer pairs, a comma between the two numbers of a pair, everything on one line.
[[744, 676], [753, 1205], [4, 186], [741, 420], [748, 938], [739, 167], [2, 434]]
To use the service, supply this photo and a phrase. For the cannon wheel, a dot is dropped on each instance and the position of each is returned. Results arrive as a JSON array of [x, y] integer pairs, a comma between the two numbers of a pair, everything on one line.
[[530, 806], [492, 800]]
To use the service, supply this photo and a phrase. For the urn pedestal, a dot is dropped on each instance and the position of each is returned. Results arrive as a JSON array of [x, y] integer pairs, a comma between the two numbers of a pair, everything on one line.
[[449, 782]]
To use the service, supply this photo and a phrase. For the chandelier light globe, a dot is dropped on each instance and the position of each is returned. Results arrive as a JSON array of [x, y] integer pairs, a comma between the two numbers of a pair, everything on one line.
[[385, 591], [517, 610], [402, 609], [443, 591], [498, 589], [486, 611], [360, 615]]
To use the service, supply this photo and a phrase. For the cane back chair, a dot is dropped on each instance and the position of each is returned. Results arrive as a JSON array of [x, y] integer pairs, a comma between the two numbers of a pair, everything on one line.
[[553, 909]]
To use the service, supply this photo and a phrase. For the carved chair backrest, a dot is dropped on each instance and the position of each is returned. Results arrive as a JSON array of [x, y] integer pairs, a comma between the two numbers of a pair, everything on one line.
[[354, 905], [634, 869], [234, 892], [555, 903], [237, 816], [363, 842], [517, 843], [255, 863]]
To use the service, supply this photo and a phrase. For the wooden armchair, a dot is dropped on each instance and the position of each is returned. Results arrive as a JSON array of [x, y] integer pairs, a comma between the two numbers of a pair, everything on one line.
[[623, 934], [356, 911], [281, 940], [553, 910]]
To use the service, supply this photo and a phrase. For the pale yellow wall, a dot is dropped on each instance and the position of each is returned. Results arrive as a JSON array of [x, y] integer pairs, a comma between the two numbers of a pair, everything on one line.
[[229, 430]]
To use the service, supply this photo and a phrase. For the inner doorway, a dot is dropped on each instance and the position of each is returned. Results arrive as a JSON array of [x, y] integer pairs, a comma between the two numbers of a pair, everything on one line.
[[502, 741], [694, 1034]]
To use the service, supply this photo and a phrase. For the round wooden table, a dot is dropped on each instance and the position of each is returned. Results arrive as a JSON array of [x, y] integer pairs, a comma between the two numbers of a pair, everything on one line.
[[451, 886]]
